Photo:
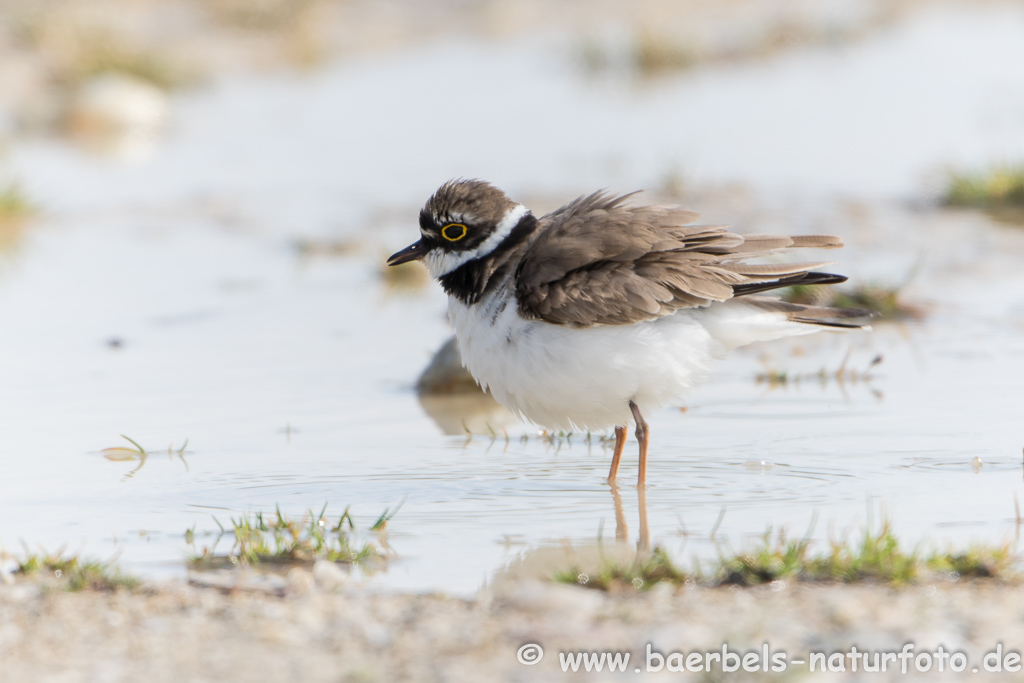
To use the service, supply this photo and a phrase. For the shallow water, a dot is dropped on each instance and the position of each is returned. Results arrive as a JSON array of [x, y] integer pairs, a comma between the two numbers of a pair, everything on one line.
[[291, 375]]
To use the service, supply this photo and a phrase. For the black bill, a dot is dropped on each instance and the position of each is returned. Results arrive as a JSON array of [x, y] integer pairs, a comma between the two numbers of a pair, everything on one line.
[[413, 252]]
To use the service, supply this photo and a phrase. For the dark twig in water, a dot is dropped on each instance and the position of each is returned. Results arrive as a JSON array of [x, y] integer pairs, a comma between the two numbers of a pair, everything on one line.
[[841, 376]]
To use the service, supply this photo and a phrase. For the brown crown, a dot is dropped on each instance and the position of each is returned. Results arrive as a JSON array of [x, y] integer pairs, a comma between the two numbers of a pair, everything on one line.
[[474, 201]]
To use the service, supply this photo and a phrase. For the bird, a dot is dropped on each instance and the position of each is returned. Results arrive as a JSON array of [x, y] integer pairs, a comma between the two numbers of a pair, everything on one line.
[[590, 316]]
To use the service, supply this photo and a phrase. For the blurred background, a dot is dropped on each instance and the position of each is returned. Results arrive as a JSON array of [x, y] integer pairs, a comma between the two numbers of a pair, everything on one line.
[[197, 198]]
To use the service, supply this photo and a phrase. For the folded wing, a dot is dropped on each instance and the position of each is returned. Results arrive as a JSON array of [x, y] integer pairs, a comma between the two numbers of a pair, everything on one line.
[[598, 261]]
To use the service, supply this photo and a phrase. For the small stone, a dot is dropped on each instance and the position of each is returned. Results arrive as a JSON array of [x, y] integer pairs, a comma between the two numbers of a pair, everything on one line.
[[536, 596], [329, 576], [299, 580], [119, 114]]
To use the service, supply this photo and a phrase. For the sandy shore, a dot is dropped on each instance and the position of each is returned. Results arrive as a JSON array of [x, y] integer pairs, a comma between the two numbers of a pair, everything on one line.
[[315, 631]]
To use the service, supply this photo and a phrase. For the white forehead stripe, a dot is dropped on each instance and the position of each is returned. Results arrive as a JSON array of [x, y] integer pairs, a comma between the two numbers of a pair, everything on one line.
[[453, 218], [441, 262]]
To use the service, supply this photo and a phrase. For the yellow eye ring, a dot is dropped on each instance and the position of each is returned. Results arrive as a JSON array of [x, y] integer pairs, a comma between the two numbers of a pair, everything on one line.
[[454, 229]]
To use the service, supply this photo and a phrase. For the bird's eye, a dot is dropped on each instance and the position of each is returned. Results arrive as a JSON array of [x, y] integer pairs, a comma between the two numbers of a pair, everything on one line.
[[453, 232]]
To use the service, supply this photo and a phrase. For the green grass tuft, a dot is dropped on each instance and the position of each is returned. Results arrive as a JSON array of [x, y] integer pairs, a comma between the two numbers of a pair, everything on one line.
[[877, 557], [653, 53], [842, 375], [645, 572], [404, 278], [999, 188], [263, 15], [96, 54], [75, 574], [15, 208], [769, 561], [283, 540], [648, 53], [884, 300], [14, 203], [975, 562]]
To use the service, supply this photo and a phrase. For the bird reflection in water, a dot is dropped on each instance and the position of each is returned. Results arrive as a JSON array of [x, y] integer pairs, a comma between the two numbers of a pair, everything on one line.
[[643, 541]]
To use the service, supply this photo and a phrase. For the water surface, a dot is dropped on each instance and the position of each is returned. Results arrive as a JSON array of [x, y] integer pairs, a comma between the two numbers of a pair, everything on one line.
[[166, 300]]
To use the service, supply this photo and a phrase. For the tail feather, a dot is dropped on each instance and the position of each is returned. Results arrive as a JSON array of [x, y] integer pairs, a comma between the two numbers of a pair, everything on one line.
[[832, 323], [824, 316], [808, 278]]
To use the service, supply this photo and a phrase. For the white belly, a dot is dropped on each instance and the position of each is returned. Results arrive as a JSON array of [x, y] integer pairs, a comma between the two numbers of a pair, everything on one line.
[[581, 378]]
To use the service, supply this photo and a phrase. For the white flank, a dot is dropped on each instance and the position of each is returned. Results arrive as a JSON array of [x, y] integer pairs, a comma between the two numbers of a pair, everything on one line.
[[441, 263], [580, 378], [735, 323], [583, 378]]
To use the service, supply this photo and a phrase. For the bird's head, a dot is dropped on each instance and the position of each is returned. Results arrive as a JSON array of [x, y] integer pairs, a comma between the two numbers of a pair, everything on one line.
[[465, 219]]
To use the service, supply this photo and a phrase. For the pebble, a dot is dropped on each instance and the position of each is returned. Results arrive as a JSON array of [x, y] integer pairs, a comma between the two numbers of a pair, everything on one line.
[[329, 576]]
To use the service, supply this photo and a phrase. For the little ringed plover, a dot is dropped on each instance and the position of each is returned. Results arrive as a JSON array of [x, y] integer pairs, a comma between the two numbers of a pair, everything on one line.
[[602, 310]]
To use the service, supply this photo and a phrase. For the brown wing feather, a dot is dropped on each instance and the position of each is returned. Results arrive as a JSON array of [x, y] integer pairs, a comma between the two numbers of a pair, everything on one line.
[[599, 261]]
